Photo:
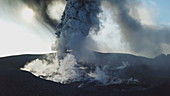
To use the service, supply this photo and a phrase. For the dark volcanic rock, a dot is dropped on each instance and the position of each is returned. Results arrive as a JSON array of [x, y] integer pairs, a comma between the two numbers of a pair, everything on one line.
[[16, 62], [14, 82]]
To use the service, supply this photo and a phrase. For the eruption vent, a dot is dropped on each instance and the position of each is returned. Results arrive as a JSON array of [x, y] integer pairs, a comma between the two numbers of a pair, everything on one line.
[[79, 18], [74, 61]]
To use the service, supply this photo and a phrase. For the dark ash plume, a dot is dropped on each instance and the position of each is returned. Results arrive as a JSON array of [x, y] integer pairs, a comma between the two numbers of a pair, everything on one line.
[[79, 18]]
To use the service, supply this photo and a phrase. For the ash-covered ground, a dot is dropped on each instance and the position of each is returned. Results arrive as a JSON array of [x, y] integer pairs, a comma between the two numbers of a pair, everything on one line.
[[76, 69], [15, 82]]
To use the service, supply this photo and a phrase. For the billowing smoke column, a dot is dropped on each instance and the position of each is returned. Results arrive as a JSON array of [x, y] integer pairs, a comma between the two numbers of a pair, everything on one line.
[[79, 18]]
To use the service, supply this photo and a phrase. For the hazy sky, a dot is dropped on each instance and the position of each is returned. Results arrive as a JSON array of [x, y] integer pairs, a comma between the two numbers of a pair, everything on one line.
[[162, 7], [21, 34]]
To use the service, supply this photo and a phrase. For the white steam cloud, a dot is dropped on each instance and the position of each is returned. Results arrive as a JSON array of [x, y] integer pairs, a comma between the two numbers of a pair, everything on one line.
[[90, 25]]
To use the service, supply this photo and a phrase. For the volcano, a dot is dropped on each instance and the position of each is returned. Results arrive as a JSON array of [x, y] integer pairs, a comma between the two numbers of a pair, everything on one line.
[[78, 32], [15, 82]]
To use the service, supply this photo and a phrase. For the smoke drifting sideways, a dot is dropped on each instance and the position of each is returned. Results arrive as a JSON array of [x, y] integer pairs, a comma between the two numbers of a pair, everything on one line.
[[21, 31], [80, 32], [141, 38]]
